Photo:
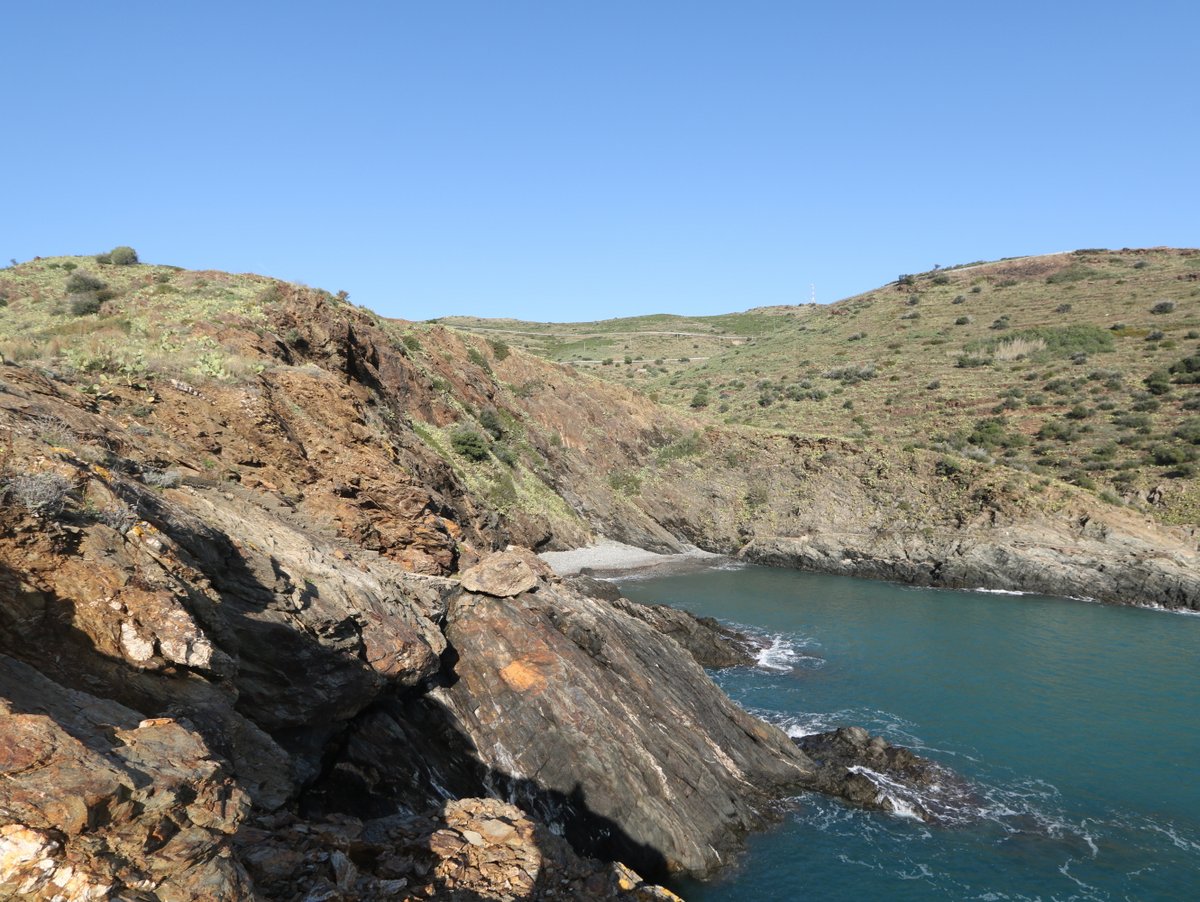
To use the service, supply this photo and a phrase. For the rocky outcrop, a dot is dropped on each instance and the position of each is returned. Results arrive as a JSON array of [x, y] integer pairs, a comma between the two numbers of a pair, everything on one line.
[[470, 849], [597, 724], [98, 803], [706, 640], [1118, 561], [870, 772]]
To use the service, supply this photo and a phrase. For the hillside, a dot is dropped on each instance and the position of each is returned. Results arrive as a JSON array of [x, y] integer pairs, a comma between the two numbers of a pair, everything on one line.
[[1077, 366], [259, 610]]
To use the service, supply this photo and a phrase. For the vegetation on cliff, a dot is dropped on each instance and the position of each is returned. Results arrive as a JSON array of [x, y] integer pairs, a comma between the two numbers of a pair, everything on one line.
[[1070, 366]]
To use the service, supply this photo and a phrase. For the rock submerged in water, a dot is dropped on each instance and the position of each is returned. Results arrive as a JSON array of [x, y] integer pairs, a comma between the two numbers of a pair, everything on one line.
[[870, 772]]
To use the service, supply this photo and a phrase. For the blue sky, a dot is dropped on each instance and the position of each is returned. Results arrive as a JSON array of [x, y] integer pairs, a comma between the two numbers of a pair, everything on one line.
[[567, 160]]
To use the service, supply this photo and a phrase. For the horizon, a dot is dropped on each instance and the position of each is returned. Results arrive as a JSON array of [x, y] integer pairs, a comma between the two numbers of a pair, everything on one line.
[[567, 165]]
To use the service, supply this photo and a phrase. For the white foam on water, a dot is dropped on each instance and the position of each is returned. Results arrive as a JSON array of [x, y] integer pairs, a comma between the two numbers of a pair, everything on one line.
[[898, 798], [999, 592], [780, 655]]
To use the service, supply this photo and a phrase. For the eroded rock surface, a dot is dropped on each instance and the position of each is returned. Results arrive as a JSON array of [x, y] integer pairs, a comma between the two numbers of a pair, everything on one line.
[[870, 772], [597, 722], [98, 803], [470, 849]]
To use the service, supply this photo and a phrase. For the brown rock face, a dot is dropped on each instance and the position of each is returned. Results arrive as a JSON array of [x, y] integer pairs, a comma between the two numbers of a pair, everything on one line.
[[595, 721], [504, 574], [96, 800], [468, 849]]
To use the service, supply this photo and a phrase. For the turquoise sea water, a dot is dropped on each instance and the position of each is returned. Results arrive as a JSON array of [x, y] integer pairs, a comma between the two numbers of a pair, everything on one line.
[[1078, 725]]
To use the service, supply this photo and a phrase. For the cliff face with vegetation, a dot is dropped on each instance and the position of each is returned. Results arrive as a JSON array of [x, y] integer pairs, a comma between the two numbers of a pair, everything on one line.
[[257, 632]]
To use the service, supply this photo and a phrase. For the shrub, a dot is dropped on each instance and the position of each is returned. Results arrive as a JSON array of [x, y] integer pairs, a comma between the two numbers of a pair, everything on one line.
[[123, 256], [959, 299], [500, 349], [1057, 429], [948, 467], [411, 342], [1170, 455], [1189, 430], [162, 479], [82, 282], [1156, 335], [852, 374], [1000, 323], [1063, 308], [1163, 307], [700, 399], [1073, 273], [469, 443], [911, 314], [84, 304], [977, 289], [478, 359], [489, 419], [1158, 382], [1057, 341], [505, 455], [42, 494]]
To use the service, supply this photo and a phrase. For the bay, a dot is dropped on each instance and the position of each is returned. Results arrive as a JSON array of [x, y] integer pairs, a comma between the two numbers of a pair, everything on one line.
[[1078, 725]]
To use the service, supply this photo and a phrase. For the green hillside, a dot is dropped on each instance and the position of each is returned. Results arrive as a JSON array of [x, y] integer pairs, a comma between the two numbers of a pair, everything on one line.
[[1080, 365]]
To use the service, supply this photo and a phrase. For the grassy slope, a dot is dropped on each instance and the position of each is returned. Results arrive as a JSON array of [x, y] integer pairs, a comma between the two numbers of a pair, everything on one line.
[[943, 365], [764, 368]]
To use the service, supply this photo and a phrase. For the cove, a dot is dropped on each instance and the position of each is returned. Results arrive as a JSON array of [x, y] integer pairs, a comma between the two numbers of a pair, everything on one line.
[[1077, 724]]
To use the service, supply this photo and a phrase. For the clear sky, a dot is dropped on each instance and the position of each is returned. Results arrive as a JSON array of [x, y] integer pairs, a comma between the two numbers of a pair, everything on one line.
[[566, 160]]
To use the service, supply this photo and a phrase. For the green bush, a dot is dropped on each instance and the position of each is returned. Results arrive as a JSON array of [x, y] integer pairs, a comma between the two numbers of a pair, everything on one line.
[[505, 455], [1158, 382], [489, 419], [1189, 430], [81, 282], [123, 256], [1163, 307], [1170, 455], [500, 349], [963, 321], [478, 359], [469, 443], [85, 304]]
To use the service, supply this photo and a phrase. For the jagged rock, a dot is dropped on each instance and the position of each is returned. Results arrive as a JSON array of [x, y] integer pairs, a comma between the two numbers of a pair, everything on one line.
[[870, 772], [539, 679], [99, 803], [710, 643], [469, 849]]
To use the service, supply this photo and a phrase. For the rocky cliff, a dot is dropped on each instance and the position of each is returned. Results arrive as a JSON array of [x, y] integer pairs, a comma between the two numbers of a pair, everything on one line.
[[259, 638]]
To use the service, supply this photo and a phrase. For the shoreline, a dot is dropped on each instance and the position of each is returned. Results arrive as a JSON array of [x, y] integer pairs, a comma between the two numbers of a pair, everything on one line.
[[607, 559]]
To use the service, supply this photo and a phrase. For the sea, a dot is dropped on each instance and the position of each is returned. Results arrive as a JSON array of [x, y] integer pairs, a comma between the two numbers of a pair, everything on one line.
[[1077, 725]]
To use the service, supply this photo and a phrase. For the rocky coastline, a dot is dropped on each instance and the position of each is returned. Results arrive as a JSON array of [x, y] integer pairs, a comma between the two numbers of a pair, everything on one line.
[[275, 639]]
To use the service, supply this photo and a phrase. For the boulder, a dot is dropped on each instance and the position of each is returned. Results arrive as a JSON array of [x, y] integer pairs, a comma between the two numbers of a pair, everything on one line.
[[504, 574]]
